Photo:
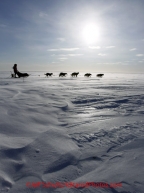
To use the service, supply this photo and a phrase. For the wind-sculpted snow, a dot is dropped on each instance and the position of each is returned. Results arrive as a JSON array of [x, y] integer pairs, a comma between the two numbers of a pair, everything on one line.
[[72, 129]]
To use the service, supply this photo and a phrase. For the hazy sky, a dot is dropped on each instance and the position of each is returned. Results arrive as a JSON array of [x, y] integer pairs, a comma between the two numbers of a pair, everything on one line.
[[72, 35]]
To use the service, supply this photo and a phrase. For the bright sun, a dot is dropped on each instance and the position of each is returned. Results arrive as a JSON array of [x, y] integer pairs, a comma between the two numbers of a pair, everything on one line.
[[90, 33]]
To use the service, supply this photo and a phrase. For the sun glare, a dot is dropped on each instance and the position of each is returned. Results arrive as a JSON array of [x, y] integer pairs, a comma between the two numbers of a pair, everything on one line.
[[90, 33]]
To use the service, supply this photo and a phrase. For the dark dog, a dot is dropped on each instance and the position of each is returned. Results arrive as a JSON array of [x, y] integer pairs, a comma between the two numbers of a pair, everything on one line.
[[100, 75], [87, 74], [22, 75], [48, 74], [62, 74], [74, 74]]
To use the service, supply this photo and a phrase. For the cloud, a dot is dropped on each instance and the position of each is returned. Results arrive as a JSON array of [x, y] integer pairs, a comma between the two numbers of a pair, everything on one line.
[[61, 39], [110, 47], [94, 47], [43, 15], [110, 63], [139, 55], [100, 54], [133, 49], [52, 50], [69, 49], [70, 54], [75, 54], [63, 49], [63, 58]]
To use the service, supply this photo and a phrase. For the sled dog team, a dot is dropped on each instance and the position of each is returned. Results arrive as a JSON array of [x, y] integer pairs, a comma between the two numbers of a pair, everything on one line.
[[74, 74], [62, 74]]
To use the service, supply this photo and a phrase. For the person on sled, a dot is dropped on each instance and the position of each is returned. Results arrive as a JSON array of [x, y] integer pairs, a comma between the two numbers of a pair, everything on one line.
[[19, 74], [15, 70]]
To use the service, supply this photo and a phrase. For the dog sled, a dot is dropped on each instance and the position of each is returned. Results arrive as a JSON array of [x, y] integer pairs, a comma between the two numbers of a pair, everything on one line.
[[20, 75]]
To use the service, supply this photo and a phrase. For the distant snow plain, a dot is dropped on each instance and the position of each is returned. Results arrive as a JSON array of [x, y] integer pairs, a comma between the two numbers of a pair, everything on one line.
[[75, 130]]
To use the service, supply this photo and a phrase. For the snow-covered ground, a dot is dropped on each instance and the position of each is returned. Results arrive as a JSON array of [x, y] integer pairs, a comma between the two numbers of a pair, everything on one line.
[[71, 130]]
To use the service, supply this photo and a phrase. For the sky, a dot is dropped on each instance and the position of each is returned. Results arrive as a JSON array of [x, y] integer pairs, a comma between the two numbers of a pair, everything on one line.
[[78, 35]]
